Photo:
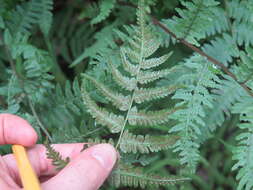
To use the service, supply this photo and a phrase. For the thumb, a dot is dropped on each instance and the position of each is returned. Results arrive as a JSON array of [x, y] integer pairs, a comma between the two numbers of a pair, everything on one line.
[[87, 171]]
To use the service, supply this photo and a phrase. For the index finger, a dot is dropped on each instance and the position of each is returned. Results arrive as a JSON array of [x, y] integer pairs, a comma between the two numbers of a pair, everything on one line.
[[15, 130]]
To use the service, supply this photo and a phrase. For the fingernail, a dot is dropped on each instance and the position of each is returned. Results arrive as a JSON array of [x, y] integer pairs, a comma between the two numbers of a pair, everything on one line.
[[105, 154]]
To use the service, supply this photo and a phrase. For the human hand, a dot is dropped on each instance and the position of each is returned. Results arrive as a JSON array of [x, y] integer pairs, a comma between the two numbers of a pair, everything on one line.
[[87, 170]]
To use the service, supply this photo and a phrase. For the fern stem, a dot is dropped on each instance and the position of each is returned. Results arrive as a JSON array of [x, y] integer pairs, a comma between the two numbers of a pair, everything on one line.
[[141, 20], [125, 122], [43, 128], [21, 82]]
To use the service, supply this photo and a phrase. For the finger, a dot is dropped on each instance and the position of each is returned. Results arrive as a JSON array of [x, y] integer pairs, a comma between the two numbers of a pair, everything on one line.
[[87, 171], [15, 130], [41, 164], [6, 182]]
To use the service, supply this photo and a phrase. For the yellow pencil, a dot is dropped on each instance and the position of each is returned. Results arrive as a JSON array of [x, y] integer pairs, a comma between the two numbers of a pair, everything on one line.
[[28, 176]]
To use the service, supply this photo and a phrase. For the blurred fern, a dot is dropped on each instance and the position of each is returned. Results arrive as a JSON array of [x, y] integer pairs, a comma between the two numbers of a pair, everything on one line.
[[105, 9]]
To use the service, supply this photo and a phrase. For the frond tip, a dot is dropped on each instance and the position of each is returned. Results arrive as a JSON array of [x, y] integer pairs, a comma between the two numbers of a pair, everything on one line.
[[55, 156]]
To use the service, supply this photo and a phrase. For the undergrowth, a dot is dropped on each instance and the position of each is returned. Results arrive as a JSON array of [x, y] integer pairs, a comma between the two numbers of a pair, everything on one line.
[[170, 86]]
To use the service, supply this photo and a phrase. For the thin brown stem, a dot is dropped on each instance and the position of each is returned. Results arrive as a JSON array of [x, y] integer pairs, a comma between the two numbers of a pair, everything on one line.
[[21, 82], [195, 49]]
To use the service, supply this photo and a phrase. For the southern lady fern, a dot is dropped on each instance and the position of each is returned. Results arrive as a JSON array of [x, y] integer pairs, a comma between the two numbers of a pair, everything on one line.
[[168, 114], [138, 62]]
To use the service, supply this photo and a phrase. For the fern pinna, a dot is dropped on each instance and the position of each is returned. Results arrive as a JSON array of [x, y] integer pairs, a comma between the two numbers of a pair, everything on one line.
[[137, 61]]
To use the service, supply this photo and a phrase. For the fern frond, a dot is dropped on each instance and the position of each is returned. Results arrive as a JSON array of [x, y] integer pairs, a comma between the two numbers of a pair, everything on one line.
[[222, 48], [149, 118], [195, 97], [106, 7], [195, 20], [243, 33], [119, 100], [102, 116], [241, 11], [125, 175], [46, 16], [135, 44], [31, 13], [133, 55], [25, 17], [123, 81], [147, 94], [150, 76], [226, 95], [243, 153], [154, 62], [56, 157], [104, 39], [220, 24], [145, 144]]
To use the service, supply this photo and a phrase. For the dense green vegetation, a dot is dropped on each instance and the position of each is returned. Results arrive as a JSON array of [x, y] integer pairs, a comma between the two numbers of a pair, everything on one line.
[[168, 83]]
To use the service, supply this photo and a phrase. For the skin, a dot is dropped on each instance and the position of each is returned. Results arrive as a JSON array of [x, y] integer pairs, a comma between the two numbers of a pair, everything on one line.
[[87, 170]]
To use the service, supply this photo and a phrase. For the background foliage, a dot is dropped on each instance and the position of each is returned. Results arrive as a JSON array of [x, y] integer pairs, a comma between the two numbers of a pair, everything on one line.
[[46, 45]]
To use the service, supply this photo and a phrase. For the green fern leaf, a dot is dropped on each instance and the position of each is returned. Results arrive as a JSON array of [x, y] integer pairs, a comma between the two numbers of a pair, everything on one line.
[[102, 116], [125, 175], [25, 17], [151, 45], [149, 118], [119, 100], [55, 156], [243, 153], [132, 54], [28, 14], [145, 144], [241, 11], [131, 68], [195, 20], [150, 76], [222, 48], [124, 82], [243, 33], [195, 97], [223, 103], [104, 39], [147, 94], [46, 17], [154, 62], [105, 9]]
